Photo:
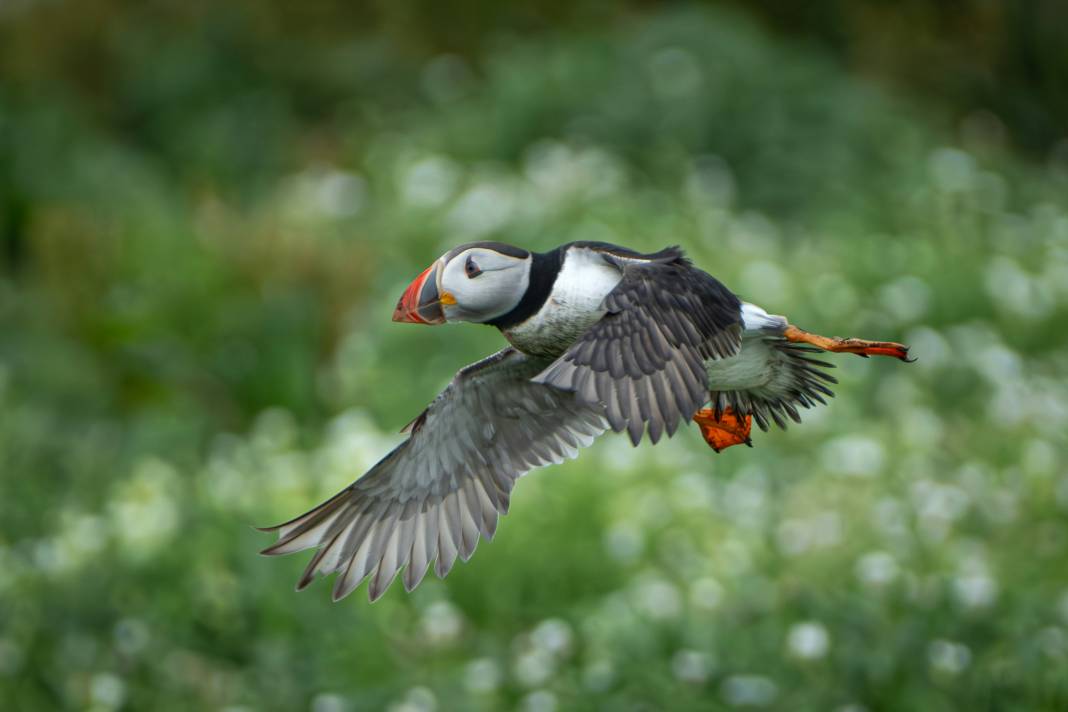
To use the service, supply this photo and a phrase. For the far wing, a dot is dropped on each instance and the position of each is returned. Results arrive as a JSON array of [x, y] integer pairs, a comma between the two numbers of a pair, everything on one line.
[[432, 496], [644, 360]]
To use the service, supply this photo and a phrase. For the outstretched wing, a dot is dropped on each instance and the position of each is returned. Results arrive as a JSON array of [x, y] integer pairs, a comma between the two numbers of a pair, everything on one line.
[[644, 361], [431, 497]]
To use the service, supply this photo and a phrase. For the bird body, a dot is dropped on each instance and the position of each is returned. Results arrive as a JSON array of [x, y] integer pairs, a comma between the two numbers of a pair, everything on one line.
[[574, 303], [602, 338]]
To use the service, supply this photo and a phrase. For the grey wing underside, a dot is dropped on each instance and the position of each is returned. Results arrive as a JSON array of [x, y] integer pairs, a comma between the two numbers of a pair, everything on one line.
[[433, 496], [770, 378], [644, 361]]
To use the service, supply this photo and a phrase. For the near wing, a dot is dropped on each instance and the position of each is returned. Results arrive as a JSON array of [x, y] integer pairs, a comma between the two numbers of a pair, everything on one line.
[[644, 360], [433, 495]]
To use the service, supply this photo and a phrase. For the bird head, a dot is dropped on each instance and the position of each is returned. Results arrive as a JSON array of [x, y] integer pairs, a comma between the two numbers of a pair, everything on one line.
[[476, 282]]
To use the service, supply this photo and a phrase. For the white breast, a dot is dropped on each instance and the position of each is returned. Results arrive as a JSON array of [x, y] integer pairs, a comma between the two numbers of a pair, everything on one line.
[[574, 304]]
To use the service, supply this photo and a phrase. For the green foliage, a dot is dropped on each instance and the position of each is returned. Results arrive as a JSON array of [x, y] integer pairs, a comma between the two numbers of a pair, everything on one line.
[[195, 339]]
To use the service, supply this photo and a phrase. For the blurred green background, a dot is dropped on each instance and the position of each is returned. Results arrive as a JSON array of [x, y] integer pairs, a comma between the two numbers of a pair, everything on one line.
[[208, 210]]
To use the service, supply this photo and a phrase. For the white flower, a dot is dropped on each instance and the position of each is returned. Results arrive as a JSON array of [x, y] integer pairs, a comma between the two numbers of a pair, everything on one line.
[[768, 280], [706, 593], [418, 699], [658, 599], [482, 209], [952, 169], [749, 691], [540, 701], [599, 675], [143, 510], [808, 640], [482, 675], [331, 702], [906, 298], [691, 666], [442, 622], [534, 667], [107, 691], [877, 569], [623, 542], [948, 657], [976, 590], [430, 181], [554, 636], [854, 455], [323, 192]]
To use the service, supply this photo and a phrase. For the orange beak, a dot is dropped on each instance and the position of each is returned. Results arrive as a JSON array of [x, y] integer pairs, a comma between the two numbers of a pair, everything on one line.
[[421, 302]]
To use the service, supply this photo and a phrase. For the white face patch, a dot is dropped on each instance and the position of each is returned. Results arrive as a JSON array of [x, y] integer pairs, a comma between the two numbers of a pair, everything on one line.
[[484, 283]]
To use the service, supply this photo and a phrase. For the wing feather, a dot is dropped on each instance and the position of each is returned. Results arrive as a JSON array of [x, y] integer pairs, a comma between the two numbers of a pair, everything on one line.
[[437, 493], [789, 379], [644, 360]]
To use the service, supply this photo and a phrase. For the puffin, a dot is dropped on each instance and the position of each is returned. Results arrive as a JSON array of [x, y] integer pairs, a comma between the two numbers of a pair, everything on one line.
[[601, 338]]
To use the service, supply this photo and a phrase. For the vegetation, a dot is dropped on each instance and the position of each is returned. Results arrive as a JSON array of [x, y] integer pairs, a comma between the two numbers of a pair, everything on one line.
[[199, 267]]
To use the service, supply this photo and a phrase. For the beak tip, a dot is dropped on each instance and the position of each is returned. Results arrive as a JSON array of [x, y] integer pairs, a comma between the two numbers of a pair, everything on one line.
[[413, 305]]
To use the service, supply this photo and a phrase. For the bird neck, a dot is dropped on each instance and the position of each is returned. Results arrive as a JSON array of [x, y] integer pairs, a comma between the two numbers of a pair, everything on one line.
[[544, 267]]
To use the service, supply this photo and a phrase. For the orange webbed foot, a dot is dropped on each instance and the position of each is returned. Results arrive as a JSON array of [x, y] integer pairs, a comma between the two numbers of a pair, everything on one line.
[[725, 430], [860, 347]]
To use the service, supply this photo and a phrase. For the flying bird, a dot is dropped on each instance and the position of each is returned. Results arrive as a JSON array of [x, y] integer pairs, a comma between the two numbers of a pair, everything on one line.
[[602, 337]]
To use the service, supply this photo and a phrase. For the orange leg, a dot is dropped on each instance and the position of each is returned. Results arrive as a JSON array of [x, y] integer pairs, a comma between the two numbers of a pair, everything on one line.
[[726, 430], [860, 347]]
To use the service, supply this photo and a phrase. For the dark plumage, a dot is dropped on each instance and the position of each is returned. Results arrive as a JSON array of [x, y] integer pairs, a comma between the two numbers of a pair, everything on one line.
[[645, 359]]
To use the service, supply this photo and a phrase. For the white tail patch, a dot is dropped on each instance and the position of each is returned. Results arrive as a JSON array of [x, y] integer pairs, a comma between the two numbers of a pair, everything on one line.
[[756, 319]]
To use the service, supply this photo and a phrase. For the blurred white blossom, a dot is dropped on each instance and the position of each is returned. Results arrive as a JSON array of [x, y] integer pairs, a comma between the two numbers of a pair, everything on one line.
[[706, 593], [144, 510], [333, 702], [749, 691], [554, 636], [534, 667], [948, 657], [952, 169], [598, 675], [107, 691], [855, 455], [691, 666], [657, 598], [484, 207], [429, 181], [417, 699], [540, 701], [482, 675], [442, 623], [808, 640], [624, 542], [876, 569]]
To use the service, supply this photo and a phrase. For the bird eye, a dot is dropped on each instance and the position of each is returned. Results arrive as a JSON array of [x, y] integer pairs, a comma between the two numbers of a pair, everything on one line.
[[471, 268]]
